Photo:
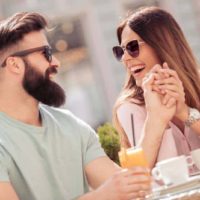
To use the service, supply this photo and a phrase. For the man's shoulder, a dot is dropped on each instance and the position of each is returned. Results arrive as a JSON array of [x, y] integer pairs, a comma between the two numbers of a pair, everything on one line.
[[63, 116], [49, 110]]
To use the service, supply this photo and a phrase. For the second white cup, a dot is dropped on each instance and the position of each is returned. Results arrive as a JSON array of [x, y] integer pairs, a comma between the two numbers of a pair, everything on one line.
[[172, 171], [195, 154]]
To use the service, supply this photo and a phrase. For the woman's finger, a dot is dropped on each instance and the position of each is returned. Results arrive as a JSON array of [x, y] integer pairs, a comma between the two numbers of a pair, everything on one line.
[[170, 72], [166, 99], [165, 66], [157, 70], [171, 102], [156, 89], [176, 95], [169, 87], [170, 80]]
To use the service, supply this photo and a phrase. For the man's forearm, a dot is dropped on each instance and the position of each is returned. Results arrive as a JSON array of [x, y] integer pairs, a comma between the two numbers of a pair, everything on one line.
[[91, 196]]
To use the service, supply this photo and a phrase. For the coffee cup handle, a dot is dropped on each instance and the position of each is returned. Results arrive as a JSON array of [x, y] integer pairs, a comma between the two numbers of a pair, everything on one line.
[[156, 174], [190, 161], [158, 177]]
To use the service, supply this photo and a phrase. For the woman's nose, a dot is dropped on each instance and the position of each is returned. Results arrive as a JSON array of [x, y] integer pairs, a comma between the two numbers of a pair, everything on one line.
[[126, 56]]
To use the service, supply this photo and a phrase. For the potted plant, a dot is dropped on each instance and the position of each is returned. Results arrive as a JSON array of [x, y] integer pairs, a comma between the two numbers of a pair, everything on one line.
[[109, 139]]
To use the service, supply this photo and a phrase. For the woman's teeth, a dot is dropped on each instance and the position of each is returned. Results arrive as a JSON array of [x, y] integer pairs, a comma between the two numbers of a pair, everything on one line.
[[136, 70]]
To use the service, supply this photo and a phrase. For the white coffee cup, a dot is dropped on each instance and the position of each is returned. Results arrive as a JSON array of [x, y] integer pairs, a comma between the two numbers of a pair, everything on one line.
[[195, 154], [172, 171]]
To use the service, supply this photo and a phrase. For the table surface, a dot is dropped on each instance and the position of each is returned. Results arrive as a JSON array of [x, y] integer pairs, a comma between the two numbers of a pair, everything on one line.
[[189, 190]]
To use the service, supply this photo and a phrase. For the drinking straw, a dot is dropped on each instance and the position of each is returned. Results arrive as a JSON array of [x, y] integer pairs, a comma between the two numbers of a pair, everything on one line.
[[133, 129]]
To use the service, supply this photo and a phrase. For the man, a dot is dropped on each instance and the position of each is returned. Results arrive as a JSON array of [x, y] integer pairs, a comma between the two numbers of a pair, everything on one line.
[[47, 153]]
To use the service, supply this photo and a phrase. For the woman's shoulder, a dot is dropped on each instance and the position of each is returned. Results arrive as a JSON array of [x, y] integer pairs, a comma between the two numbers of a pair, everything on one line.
[[130, 107]]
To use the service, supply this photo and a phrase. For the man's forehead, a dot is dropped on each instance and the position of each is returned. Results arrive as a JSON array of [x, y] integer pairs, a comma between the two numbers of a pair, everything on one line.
[[34, 39]]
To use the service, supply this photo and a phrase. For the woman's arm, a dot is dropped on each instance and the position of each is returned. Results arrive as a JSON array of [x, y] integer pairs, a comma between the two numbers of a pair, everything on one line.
[[149, 127], [173, 87], [158, 117]]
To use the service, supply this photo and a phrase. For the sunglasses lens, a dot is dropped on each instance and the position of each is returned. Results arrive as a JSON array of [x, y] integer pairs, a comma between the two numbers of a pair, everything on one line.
[[48, 54], [133, 48], [118, 52]]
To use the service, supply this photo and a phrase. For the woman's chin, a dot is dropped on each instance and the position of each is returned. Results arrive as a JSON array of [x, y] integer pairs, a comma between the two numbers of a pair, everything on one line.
[[138, 82]]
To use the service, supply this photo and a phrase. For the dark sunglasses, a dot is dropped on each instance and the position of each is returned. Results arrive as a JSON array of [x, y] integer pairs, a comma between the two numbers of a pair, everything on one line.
[[132, 48], [46, 50]]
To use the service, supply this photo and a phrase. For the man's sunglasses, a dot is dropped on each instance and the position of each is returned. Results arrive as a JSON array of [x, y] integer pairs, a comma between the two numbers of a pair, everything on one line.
[[132, 48], [46, 50]]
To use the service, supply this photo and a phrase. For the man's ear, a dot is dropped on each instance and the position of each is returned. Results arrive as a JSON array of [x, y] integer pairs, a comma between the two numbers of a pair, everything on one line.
[[15, 64]]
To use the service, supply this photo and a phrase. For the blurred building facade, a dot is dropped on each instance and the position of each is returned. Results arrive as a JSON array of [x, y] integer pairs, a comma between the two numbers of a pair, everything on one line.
[[83, 36]]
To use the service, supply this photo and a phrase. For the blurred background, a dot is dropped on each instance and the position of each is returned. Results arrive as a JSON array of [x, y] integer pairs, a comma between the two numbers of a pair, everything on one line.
[[84, 34]]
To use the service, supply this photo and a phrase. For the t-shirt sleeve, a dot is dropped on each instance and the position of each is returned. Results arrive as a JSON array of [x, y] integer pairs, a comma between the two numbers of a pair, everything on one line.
[[93, 149], [4, 166]]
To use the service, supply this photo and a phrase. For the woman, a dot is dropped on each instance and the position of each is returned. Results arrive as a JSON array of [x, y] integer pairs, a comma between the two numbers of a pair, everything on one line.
[[165, 116]]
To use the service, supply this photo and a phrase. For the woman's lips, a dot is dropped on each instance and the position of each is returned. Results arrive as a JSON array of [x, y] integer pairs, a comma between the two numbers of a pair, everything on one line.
[[136, 70]]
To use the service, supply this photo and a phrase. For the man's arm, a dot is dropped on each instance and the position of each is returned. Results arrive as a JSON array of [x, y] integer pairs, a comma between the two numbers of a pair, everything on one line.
[[111, 182], [99, 170], [7, 192]]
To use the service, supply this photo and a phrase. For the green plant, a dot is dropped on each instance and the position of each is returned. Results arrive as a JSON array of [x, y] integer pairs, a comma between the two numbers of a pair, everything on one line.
[[109, 139]]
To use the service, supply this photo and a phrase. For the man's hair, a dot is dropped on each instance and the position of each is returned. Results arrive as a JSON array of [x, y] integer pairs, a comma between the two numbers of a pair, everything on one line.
[[13, 29]]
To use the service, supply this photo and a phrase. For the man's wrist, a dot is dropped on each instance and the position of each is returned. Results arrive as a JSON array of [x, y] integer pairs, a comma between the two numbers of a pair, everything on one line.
[[95, 194], [88, 196]]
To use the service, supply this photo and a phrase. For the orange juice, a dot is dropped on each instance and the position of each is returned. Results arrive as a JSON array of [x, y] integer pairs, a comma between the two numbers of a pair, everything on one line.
[[132, 157]]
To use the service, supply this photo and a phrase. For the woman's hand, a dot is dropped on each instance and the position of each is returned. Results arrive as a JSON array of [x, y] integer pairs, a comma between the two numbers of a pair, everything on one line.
[[172, 87]]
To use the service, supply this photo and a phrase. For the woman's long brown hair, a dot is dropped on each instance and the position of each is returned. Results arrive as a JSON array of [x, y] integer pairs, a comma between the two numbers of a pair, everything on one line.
[[159, 30]]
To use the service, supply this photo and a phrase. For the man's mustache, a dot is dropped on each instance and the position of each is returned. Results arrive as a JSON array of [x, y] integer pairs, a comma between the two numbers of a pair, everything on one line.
[[51, 70]]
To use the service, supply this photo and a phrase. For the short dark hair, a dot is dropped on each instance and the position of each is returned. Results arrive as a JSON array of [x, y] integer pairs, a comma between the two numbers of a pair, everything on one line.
[[13, 29]]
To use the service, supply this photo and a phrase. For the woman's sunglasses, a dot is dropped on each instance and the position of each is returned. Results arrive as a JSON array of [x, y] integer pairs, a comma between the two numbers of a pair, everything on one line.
[[46, 50], [132, 48]]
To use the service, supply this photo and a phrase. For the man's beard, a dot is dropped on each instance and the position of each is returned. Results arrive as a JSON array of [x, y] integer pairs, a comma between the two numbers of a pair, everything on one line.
[[41, 87]]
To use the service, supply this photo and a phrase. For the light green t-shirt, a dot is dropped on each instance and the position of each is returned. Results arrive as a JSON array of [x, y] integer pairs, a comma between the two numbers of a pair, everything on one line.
[[47, 163]]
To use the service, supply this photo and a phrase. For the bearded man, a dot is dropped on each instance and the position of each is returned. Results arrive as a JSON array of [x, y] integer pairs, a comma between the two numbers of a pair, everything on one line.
[[46, 153]]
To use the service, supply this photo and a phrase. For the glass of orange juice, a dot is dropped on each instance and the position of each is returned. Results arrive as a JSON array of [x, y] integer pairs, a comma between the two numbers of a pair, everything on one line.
[[132, 157]]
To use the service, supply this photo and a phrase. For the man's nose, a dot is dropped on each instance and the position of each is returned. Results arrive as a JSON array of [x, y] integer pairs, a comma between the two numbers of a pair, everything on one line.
[[55, 62]]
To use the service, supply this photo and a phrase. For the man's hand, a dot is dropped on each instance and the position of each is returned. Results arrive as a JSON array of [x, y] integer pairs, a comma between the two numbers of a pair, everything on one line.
[[110, 182], [126, 184]]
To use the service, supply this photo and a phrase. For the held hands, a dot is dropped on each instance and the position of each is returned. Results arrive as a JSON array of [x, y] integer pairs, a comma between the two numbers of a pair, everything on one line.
[[154, 98], [170, 86], [127, 184], [170, 89]]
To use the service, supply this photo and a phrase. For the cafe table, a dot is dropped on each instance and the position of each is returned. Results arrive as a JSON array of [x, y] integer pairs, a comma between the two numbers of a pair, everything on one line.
[[189, 190]]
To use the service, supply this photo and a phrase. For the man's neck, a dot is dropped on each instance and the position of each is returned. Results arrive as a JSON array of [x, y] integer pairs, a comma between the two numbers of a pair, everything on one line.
[[23, 109]]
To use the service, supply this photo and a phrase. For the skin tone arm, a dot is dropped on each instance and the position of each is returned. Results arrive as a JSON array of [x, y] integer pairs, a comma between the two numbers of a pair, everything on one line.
[[110, 182], [7, 192], [107, 179], [158, 116], [172, 86]]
